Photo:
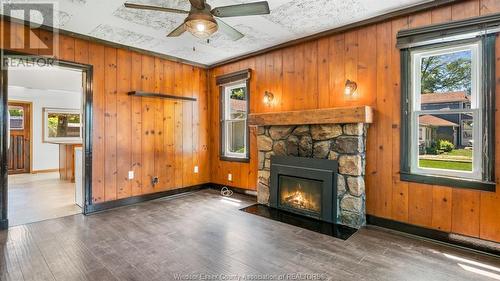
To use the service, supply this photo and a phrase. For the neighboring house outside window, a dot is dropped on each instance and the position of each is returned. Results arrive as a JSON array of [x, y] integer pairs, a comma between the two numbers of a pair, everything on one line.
[[432, 129], [454, 130], [234, 109]]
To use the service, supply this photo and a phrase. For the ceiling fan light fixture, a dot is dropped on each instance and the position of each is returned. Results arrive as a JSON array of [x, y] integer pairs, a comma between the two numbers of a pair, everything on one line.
[[200, 25], [203, 21]]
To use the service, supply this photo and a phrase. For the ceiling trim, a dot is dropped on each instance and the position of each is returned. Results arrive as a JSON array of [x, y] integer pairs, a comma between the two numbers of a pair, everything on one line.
[[106, 42], [377, 19]]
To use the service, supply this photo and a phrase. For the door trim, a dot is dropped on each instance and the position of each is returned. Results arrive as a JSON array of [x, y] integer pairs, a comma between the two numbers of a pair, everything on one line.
[[87, 71]]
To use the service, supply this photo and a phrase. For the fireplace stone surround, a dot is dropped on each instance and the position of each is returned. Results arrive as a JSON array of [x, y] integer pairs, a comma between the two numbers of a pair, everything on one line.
[[345, 143]]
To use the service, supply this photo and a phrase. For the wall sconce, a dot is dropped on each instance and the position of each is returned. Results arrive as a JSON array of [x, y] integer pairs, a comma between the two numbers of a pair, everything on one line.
[[268, 98], [350, 87]]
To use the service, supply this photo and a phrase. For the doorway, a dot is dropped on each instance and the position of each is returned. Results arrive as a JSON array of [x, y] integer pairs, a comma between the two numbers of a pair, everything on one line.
[[46, 147]]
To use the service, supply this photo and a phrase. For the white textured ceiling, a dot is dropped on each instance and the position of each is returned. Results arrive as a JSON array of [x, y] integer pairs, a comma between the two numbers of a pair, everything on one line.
[[46, 78], [289, 19]]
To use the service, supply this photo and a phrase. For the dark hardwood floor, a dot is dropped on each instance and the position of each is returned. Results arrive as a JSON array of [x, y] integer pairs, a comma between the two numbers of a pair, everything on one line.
[[202, 233]]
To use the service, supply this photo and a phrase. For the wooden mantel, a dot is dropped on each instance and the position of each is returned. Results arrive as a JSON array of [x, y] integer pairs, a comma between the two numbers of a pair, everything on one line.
[[337, 115]]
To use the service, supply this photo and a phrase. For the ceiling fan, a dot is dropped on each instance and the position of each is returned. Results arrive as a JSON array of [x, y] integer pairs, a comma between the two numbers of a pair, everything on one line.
[[203, 21]]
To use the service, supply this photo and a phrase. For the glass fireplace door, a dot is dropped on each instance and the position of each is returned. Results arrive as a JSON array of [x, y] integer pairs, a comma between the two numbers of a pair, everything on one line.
[[300, 195]]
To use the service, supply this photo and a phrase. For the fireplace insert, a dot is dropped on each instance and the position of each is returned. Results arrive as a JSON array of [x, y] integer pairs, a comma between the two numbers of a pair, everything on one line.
[[304, 186]]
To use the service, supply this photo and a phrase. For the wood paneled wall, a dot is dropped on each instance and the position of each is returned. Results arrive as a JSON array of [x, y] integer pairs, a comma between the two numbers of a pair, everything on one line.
[[152, 137], [312, 75]]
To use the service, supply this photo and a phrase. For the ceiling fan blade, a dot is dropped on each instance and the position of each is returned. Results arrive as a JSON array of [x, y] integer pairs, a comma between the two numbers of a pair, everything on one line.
[[178, 31], [229, 30], [198, 4], [154, 8], [249, 9]]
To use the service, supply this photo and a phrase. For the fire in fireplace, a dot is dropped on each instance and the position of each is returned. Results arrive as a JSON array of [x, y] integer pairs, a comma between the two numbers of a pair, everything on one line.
[[305, 186], [300, 193]]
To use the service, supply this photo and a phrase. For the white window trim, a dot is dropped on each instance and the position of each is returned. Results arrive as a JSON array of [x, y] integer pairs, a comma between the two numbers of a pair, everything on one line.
[[47, 138], [227, 90], [476, 110]]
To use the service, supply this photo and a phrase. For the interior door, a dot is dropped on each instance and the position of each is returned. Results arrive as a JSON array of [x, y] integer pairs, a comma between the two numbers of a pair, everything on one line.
[[19, 138]]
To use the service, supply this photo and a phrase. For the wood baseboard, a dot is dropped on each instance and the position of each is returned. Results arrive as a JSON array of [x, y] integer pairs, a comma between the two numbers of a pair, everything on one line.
[[45, 171], [433, 235], [140, 198]]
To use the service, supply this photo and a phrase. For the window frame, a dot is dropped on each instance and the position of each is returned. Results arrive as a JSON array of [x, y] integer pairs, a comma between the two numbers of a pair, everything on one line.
[[226, 83], [476, 109], [60, 140], [226, 120], [483, 179]]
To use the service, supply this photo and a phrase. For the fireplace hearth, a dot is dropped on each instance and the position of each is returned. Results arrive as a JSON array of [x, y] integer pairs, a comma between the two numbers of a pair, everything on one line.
[[304, 186]]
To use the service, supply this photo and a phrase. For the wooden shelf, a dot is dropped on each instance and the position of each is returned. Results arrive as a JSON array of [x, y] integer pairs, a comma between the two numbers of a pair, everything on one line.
[[337, 115], [159, 95]]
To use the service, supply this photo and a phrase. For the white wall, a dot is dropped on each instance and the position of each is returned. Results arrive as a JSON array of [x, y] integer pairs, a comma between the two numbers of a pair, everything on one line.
[[45, 155]]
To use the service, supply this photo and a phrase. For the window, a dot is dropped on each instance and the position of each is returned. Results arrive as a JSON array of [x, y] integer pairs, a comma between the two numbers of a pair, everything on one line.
[[16, 118], [235, 120], [447, 117], [234, 111], [443, 79], [62, 125]]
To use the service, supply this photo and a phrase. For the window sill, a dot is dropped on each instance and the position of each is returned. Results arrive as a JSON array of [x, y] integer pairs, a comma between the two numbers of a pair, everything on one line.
[[451, 182], [234, 159]]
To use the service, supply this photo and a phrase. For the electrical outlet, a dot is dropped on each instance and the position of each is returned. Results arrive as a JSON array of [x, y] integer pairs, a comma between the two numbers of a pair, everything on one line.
[[155, 180], [130, 175], [196, 170], [230, 177]]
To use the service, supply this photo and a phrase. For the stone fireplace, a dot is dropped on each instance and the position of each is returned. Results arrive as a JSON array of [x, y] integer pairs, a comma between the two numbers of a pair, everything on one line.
[[345, 143], [329, 133]]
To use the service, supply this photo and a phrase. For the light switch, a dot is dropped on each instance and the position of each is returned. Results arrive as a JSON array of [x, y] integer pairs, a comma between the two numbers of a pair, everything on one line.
[[130, 175]]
